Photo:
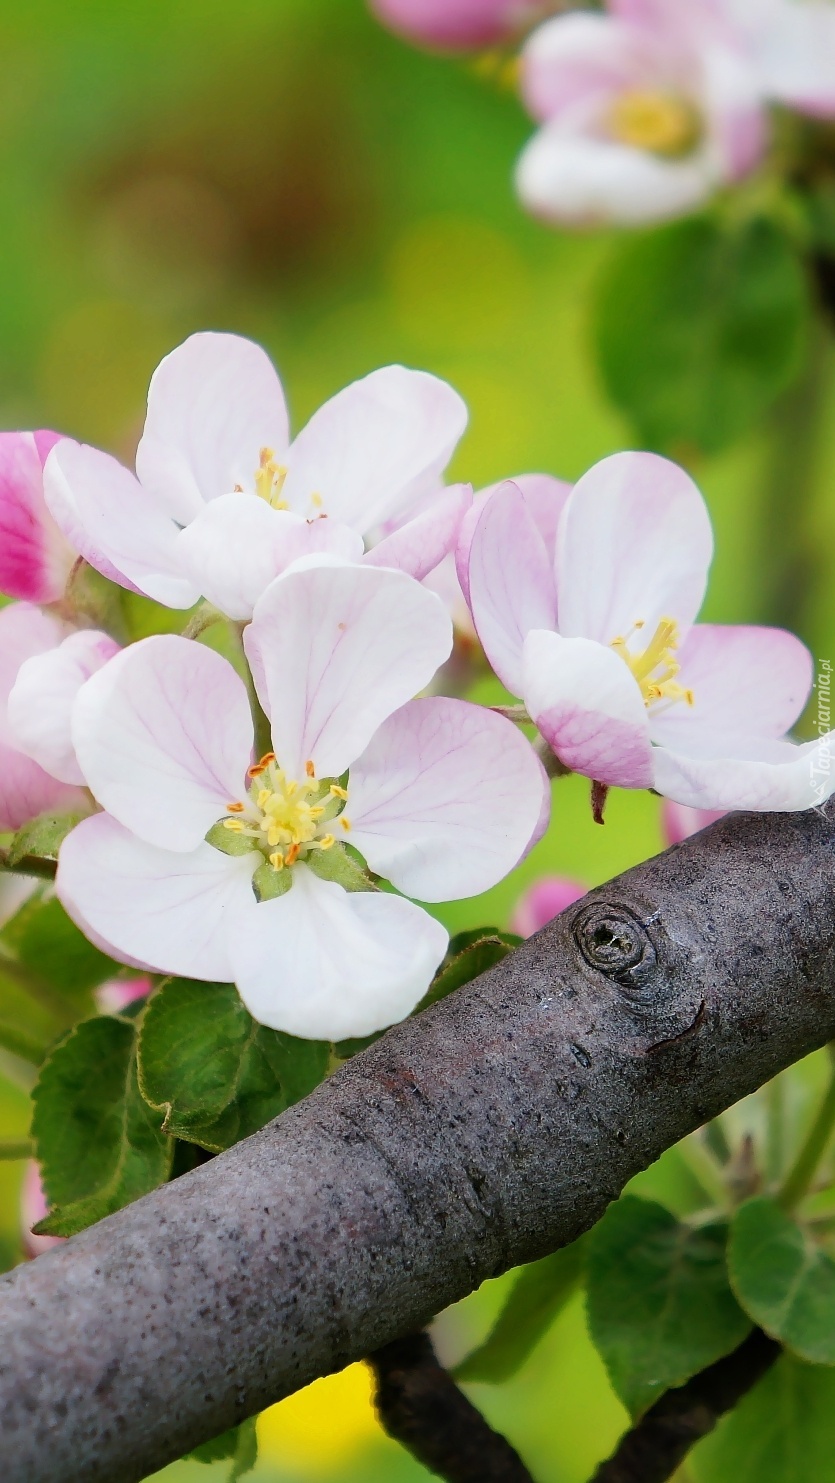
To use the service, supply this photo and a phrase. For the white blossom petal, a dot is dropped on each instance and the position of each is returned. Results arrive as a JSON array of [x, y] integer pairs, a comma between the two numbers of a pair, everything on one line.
[[42, 698]]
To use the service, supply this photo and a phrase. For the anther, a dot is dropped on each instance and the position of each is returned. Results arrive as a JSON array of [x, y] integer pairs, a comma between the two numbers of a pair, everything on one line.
[[339, 792], [309, 769], [234, 808]]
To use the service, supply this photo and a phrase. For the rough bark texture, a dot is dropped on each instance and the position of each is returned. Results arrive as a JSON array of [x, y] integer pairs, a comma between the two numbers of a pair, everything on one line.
[[420, 1405], [653, 1450], [486, 1132]]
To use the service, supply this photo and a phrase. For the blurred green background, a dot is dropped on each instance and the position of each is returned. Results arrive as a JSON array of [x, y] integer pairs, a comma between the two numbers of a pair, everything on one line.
[[287, 170]]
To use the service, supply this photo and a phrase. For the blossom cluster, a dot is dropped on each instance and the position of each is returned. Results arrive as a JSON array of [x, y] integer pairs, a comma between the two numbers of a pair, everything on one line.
[[274, 817], [647, 109]]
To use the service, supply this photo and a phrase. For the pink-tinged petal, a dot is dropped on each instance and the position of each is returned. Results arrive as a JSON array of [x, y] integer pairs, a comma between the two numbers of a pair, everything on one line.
[[748, 773], [334, 651], [566, 175], [213, 404], [163, 735], [119, 527], [35, 558], [544, 498], [744, 680], [511, 582], [678, 821], [27, 791], [115, 995], [543, 901], [446, 799], [588, 707], [238, 544], [24, 632], [41, 702], [457, 25], [365, 451], [794, 45], [325, 965], [15, 891], [574, 58], [635, 546], [169, 910], [444, 582], [736, 116], [421, 544]]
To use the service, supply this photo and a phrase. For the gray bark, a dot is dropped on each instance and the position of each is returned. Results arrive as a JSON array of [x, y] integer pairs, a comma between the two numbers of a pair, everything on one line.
[[484, 1133]]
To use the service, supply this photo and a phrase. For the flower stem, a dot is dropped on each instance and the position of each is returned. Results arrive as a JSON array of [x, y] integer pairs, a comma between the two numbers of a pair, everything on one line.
[[803, 1171], [260, 720], [20, 1148], [22, 1045], [37, 865], [205, 616]]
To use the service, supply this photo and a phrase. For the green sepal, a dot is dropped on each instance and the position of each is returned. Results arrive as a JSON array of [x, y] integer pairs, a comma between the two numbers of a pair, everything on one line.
[[660, 1305], [538, 1296], [342, 866], [229, 842], [270, 883], [213, 1072], [42, 837], [784, 1280], [98, 1143]]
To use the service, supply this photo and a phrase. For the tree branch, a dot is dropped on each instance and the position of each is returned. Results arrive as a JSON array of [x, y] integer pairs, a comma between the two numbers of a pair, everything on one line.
[[659, 1443], [486, 1132], [420, 1405]]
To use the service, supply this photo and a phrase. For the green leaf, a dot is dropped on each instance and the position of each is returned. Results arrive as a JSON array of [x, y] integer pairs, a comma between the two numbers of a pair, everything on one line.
[[659, 1302], [783, 1431], [42, 836], [217, 1074], [538, 1296], [53, 947], [699, 327], [239, 1446], [468, 955], [99, 1144], [783, 1279]]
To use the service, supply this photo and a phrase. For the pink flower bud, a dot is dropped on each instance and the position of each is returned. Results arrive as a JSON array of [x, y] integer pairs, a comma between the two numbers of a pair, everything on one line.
[[35, 558], [458, 25], [543, 901], [33, 1207]]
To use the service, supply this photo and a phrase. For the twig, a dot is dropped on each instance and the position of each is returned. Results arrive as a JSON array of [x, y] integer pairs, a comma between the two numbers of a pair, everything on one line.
[[658, 1444], [420, 1405]]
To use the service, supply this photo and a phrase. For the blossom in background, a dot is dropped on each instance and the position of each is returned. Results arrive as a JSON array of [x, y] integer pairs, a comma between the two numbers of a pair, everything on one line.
[[222, 501], [678, 821], [792, 47], [35, 558], [207, 866], [543, 901], [602, 646], [28, 787], [645, 111], [459, 25]]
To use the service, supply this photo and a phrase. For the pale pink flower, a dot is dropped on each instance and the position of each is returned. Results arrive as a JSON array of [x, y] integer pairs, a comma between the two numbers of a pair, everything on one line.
[[678, 821], [645, 112], [27, 785], [602, 645], [35, 558], [33, 1207], [117, 993], [792, 43], [458, 25], [222, 501], [543, 901], [441, 798]]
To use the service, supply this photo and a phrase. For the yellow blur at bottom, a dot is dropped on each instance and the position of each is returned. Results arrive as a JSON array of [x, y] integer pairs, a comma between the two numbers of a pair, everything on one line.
[[328, 1423]]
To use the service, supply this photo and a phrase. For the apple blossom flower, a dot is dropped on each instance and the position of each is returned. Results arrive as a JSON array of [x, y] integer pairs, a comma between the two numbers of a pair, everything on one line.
[[459, 25], [645, 112], [27, 785], [678, 821], [42, 697], [603, 647], [207, 865], [223, 501], [35, 558], [543, 901], [791, 44]]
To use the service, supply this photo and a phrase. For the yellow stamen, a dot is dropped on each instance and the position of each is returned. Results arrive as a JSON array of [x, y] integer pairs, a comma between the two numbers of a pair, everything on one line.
[[277, 860], [346, 824], [339, 792], [660, 122], [270, 479], [234, 825], [326, 842], [657, 656]]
